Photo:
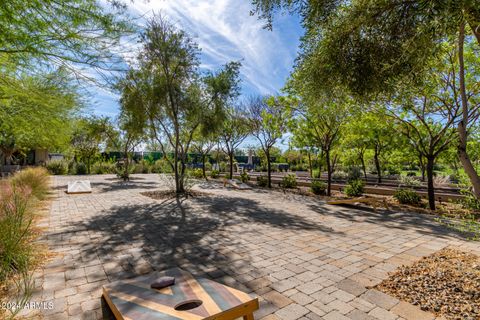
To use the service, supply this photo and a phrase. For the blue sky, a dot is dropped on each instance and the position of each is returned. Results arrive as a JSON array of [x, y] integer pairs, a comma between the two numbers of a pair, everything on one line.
[[225, 31]]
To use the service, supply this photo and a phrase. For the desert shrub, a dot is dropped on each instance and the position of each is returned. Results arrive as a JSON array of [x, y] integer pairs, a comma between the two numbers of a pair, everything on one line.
[[407, 196], [262, 181], [214, 174], [141, 167], [316, 174], [161, 166], [103, 168], [34, 179], [15, 229], [244, 177], [339, 175], [80, 168], [57, 167], [411, 174], [196, 173], [441, 180], [470, 201], [208, 166], [354, 188], [409, 181], [289, 181], [318, 187]]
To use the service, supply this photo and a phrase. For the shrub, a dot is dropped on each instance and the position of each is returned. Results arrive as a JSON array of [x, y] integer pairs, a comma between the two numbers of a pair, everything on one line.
[[34, 179], [407, 196], [196, 173], [103, 168], [141, 167], [409, 181], [289, 181], [411, 174], [161, 166], [244, 177], [339, 175], [214, 174], [354, 188], [318, 187], [470, 201], [316, 174], [262, 181], [57, 167], [15, 229], [80, 168], [354, 173]]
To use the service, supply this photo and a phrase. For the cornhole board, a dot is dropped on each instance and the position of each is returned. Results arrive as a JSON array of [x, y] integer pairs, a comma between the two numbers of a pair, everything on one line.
[[79, 186], [189, 298], [236, 185]]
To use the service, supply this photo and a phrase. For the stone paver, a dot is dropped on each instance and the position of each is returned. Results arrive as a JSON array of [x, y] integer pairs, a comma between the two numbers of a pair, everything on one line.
[[304, 259]]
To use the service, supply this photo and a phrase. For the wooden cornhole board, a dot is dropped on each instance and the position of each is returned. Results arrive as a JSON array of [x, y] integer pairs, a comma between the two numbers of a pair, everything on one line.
[[236, 185], [79, 186], [133, 299], [374, 202]]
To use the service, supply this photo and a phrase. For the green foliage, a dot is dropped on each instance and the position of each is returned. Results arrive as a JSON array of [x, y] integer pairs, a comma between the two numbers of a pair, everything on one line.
[[36, 180], [316, 174], [289, 181], [354, 173], [57, 167], [196, 173], [161, 166], [262, 181], [104, 168], [407, 196], [470, 201], [244, 177], [80, 168], [354, 188], [214, 174], [318, 187], [409, 181]]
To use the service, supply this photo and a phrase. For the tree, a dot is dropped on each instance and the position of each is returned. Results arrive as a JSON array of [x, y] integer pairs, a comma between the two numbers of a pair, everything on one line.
[[369, 47], [67, 33], [268, 118], [36, 112], [203, 145], [235, 130], [88, 135], [319, 124], [177, 100]]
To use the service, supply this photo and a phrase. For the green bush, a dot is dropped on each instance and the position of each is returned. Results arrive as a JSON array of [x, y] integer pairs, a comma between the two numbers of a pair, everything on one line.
[[354, 173], [289, 181], [244, 177], [196, 173], [34, 179], [262, 181], [80, 168], [57, 167], [103, 168], [318, 187], [214, 174], [161, 166], [407, 196], [470, 201], [340, 175], [409, 181], [316, 174], [354, 188]]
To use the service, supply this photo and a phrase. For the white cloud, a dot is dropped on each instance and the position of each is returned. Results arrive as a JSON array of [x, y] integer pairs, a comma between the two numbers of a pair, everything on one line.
[[225, 31]]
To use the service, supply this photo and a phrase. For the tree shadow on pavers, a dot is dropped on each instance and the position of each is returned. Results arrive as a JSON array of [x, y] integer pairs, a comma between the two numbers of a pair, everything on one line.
[[421, 223], [204, 237], [103, 187]]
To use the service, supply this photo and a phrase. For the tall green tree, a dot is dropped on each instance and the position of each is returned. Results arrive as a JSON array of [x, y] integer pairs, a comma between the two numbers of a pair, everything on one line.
[[268, 117], [176, 98], [36, 112], [369, 47]]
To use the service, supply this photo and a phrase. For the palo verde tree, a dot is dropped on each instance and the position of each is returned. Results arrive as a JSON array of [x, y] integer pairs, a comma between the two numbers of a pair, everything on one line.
[[268, 119], [234, 131], [36, 112], [203, 145], [175, 97], [369, 47]]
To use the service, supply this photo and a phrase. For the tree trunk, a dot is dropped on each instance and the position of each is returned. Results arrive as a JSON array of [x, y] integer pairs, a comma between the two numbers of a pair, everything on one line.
[[422, 167], [178, 187], [430, 187], [310, 164], [329, 172], [88, 165], [462, 125], [269, 168], [364, 168], [125, 173], [231, 164], [377, 165], [203, 167]]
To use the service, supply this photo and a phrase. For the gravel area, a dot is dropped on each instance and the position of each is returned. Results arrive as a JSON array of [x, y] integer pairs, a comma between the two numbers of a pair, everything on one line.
[[446, 283]]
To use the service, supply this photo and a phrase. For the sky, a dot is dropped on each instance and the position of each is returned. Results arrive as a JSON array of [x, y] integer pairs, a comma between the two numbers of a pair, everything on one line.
[[225, 31]]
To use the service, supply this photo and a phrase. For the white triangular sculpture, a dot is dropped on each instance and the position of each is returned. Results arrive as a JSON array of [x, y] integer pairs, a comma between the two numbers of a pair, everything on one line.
[[79, 186], [238, 185]]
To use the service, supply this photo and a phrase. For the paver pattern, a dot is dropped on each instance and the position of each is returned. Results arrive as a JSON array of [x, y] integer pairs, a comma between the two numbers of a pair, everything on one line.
[[303, 258]]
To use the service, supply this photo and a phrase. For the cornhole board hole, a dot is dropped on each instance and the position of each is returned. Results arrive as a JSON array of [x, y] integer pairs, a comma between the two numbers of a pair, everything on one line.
[[79, 186], [190, 298]]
